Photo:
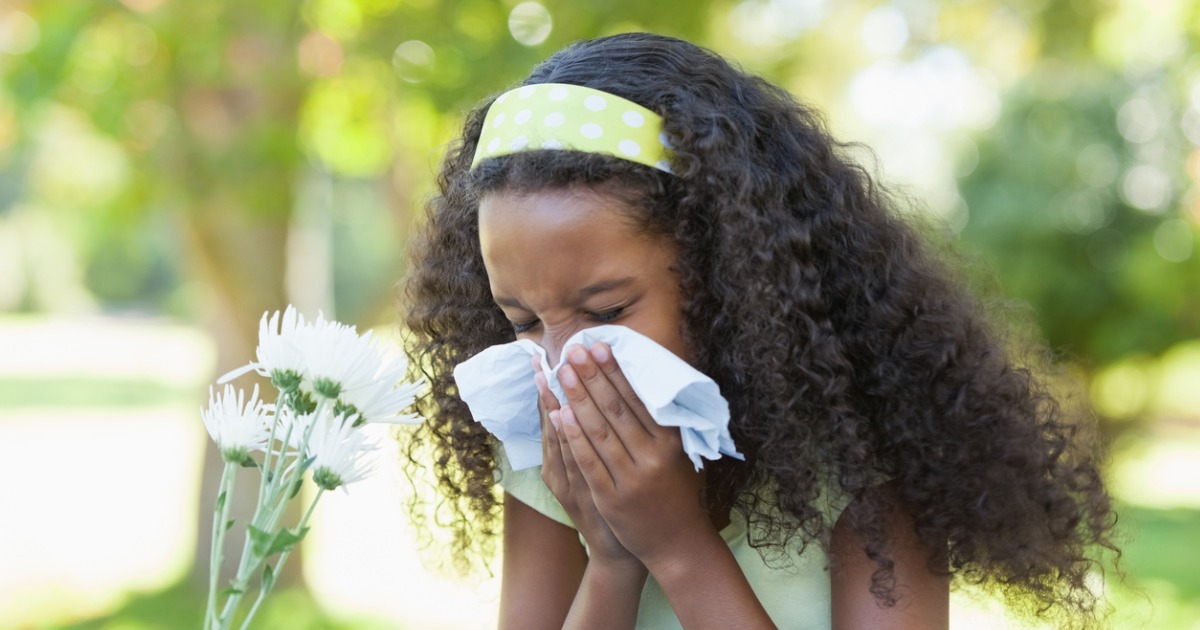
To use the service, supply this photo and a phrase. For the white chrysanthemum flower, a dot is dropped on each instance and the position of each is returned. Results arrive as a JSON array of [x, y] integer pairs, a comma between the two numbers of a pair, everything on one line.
[[338, 450], [280, 352], [331, 360], [337, 358], [238, 426], [385, 396], [289, 432]]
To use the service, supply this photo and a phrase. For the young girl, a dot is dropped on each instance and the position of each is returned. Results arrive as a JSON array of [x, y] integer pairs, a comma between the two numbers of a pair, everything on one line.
[[889, 441]]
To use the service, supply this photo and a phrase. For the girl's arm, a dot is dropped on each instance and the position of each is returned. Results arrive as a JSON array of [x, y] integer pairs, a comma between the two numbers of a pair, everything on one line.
[[707, 588], [543, 567], [924, 595]]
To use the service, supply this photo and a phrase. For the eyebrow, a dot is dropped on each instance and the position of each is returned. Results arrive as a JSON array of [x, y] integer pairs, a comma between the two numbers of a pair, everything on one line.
[[603, 287], [581, 295]]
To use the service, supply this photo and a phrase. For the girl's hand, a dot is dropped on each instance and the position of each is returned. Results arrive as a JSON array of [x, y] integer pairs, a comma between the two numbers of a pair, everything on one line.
[[642, 483], [650, 496], [561, 474]]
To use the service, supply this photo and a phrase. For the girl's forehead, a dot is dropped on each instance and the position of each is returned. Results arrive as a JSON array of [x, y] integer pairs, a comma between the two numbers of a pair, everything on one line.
[[542, 234], [576, 208]]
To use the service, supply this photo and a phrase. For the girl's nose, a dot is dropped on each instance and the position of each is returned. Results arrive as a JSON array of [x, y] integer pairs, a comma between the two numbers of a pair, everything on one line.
[[554, 340], [553, 348]]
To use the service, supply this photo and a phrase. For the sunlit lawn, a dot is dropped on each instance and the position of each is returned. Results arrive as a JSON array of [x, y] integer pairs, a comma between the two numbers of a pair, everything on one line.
[[101, 447]]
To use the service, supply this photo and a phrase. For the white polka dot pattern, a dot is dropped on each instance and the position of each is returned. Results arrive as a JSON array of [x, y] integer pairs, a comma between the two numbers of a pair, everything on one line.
[[556, 116]]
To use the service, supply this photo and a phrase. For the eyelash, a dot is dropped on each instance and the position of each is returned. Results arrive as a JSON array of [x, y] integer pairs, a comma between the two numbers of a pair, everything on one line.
[[605, 317]]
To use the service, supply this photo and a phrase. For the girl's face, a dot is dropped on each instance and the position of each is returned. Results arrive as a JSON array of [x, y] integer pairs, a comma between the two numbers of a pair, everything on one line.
[[562, 260]]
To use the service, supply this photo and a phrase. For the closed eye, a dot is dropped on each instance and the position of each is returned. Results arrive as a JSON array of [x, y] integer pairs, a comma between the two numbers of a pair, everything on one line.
[[523, 327], [607, 316]]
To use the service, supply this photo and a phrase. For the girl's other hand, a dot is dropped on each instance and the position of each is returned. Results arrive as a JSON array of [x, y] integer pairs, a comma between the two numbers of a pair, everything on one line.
[[641, 481]]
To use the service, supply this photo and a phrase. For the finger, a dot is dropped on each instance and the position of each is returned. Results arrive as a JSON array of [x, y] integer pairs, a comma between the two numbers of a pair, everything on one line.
[[597, 391], [554, 473], [571, 471], [601, 353], [545, 396], [593, 422], [579, 456], [553, 470], [548, 416]]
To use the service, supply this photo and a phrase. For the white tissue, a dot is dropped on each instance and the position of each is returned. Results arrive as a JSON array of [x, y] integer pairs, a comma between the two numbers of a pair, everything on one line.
[[497, 385]]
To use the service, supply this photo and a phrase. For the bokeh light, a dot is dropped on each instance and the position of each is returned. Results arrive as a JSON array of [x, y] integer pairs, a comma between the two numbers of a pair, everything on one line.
[[1146, 187], [884, 31], [19, 33], [413, 61], [320, 55], [530, 23]]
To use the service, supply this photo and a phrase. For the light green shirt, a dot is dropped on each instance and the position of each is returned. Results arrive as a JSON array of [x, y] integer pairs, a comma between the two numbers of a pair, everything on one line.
[[795, 596]]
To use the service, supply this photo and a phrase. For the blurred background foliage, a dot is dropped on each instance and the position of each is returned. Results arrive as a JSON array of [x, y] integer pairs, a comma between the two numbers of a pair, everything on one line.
[[202, 162]]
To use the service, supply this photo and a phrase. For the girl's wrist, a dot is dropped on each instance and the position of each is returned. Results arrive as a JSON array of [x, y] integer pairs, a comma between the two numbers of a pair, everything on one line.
[[689, 555], [619, 570]]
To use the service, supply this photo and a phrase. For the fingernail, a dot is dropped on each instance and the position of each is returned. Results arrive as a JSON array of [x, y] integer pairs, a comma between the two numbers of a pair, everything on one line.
[[567, 377], [536, 363], [556, 420], [577, 355], [600, 352], [567, 416], [540, 379]]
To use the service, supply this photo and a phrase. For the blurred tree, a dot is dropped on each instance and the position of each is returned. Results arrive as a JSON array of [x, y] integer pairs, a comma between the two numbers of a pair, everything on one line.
[[1084, 195], [1081, 226], [202, 101], [204, 119]]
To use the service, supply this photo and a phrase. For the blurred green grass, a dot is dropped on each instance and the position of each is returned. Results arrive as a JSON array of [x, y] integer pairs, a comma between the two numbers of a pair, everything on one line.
[[82, 392], [1163, 547], [182, 606]]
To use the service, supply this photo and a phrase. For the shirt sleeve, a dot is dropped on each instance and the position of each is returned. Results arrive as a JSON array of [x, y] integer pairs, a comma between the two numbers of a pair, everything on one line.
[[526, 486]]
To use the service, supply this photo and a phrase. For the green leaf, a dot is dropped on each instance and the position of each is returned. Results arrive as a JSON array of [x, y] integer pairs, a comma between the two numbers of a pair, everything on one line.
[[286, 539], [265, 544], [220, 501], [268, 579], [296, 488], [232, 590], [248, 462], [260, 541], [229, 524]]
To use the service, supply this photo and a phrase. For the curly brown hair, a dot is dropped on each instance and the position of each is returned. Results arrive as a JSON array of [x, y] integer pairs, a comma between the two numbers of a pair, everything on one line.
[[847, 351]]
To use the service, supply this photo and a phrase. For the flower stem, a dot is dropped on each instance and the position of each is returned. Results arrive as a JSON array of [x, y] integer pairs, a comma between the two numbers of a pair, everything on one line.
[[262, 593], [267, 515], [266, 465], [216, 554]]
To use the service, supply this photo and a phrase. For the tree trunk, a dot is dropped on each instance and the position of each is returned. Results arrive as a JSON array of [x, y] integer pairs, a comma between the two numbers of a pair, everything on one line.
[[236, 90]]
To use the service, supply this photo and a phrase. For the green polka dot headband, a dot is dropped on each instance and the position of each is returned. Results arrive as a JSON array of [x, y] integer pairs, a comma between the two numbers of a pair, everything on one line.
[[562, 116]]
